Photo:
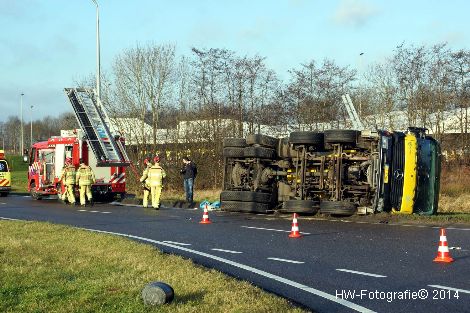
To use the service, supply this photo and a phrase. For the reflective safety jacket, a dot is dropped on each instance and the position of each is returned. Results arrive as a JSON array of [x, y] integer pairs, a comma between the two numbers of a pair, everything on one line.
[[85, 176], [144, 178], [68, 175], [155, 175]]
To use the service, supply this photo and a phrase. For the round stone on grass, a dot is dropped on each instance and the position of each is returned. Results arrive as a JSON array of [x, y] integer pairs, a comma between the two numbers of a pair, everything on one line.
[[157, 293]]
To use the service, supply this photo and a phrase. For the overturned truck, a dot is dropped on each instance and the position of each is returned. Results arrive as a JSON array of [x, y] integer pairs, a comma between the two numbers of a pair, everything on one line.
[[338, 172]]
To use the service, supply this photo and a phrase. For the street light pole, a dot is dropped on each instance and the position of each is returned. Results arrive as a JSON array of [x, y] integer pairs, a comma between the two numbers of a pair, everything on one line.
[[98, 67], [31, 135], [22, 130]]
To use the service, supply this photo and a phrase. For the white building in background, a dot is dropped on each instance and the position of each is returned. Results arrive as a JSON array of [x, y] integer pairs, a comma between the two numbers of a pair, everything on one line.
[[136, 130]]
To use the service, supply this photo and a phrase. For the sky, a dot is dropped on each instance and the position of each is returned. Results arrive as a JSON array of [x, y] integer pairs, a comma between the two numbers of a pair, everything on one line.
[[47, 45]]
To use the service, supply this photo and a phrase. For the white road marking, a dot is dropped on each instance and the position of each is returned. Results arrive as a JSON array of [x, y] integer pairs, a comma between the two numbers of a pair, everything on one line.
[[228, 251], [177, 243], [271, 229], [288, 261], [280, 279], [454, 228], [26, 196], [450, 288], [102, 212], [360, 273], [9, 219], [2, 203]]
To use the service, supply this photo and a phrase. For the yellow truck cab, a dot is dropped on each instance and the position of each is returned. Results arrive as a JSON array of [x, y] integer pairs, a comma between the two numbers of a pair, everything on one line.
[[5, 176]]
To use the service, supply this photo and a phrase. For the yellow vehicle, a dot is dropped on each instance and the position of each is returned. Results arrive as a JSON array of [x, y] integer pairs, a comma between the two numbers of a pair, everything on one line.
[[405, 173], [5, 176]]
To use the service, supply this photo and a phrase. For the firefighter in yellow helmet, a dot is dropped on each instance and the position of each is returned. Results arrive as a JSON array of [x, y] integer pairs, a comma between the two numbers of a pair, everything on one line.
[[146, 182], [67, 178], [84, 179], [155, 177]]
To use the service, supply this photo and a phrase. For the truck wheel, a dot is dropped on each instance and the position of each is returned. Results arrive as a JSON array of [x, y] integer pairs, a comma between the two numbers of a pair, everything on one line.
[[262, 140], [3, 194], [245, 196], [34, 194], [259, 152], [338, 208], [307, 138], [345, 136], [240, 206], [234, 206], [233, 152], [235, 142], [299, 206]]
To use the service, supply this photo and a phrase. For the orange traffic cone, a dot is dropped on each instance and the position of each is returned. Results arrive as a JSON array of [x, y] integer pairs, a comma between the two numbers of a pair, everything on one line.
[[443, 254], [205, 217], [294, 233]]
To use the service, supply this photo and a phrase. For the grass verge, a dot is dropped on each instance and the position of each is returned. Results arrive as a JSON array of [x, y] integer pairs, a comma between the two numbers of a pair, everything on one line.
[[51, 268], [199, 195]]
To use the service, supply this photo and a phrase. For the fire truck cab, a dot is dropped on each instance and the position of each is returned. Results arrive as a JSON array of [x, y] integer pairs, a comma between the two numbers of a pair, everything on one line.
[[47, 159]]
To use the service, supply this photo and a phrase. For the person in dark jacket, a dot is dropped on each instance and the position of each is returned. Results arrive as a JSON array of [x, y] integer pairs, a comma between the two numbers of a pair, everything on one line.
[[189, 172]]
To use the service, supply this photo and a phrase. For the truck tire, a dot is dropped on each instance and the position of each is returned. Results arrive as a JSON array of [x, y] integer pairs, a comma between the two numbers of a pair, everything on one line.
[[235, 142], [299, 206], [262, 140], [259, 152], [239, 206], [33, 192], [338, 208], [307, 138], [245, 196], [345, 136], [3, 194], [233, 152]]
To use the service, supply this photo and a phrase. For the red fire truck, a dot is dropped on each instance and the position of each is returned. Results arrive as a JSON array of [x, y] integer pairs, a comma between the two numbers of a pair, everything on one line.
[[47, 158]]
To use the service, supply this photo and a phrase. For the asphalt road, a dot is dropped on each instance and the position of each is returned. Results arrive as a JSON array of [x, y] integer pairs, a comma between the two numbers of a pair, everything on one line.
[[335, 267]]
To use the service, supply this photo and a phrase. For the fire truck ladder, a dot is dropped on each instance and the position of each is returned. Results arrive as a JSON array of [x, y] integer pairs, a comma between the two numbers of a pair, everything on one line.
[[94, 121], [353, 116]]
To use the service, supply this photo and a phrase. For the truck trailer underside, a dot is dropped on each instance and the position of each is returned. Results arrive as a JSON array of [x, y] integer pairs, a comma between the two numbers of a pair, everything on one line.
[[335, 172]]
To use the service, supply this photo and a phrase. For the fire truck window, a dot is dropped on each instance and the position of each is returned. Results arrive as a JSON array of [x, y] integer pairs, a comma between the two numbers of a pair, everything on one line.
[[3, 166], [32, 156], [46, 156], [68, 152]]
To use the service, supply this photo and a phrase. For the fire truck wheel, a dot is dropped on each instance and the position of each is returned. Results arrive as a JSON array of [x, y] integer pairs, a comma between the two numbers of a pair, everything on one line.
[[246, 196], [33, 192], [233, 152], [3, 194], [299, 206], [345, 136], [235, 142], [259, 152], [239, 206], [337, 208], [262, 140], [307, 138]]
